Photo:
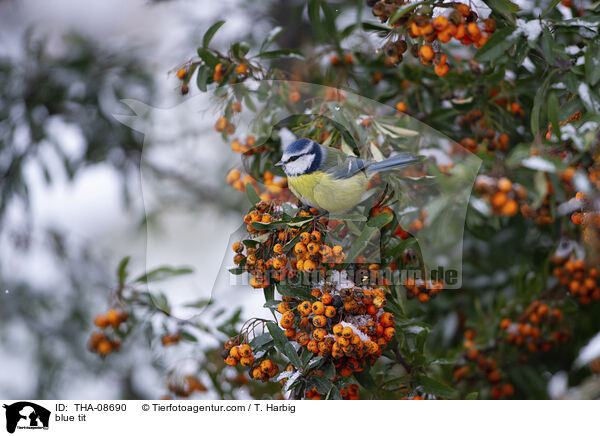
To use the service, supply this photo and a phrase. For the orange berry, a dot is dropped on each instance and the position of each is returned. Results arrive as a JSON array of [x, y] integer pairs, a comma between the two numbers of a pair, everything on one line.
[[305, 308], [330, 311], [181, 73], [510, 208], [440, 23], [241, 69], [426, 52], [245, 350], [499, 199], [294, 97], [105, 347], [101, 321], [441, 69], [318, 308], [504, 185], [113, 318]]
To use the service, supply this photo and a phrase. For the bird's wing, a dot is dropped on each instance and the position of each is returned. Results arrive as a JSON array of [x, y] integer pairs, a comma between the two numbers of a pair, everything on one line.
[[340, 165]]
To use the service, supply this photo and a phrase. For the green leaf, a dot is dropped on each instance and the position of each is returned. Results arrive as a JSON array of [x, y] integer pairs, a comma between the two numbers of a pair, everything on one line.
[[553, 110], [432, 386], [294, 292], [202, 77], [592, 63], [368, 231], [420, 341], [238, 270], [400, 12], [551, 6], [397, 250], [361, 242], [252, 195], [322, 385], [269, 292], [289, 53], [160, 302], [314, 15], [365, 380], [328, 370], [240, 49], [380, 220], [208, 58], [211, 32], [162, 273], [504, 7], [271, 304], [537, 103], [283, 345], [199, 304], [472, 396], [122, 270], [271, 37], [496, 46], [314, 362], [293, 222], [548, 45], [261, 341], [187, 336], [381, 30]]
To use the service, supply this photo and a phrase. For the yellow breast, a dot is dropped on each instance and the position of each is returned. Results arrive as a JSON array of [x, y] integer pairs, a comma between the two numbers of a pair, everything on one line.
[[324, 192]]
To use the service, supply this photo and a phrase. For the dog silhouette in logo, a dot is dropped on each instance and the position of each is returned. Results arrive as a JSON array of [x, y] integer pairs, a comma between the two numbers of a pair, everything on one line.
[[31, 413]]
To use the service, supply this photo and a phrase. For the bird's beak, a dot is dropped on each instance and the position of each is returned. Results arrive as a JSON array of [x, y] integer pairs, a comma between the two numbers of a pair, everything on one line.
[[279, 164]]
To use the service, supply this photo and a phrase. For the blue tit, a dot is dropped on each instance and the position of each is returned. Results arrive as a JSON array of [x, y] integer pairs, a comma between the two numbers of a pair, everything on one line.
[[330, 180]]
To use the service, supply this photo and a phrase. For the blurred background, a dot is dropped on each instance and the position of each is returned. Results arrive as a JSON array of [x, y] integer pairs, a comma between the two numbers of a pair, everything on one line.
[[71, 202], [80, 190]]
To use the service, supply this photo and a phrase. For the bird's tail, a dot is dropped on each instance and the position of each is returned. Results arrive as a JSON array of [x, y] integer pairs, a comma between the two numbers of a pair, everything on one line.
[[397, 161]]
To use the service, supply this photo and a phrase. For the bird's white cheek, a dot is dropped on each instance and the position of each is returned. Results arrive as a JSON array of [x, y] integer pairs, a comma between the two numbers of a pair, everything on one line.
[[299, 166]]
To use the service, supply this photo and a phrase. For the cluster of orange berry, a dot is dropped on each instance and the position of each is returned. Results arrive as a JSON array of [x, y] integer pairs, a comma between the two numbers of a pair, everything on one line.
[[348, 393], [578, 217], [422, 290], [512, 106], [541, 215], [185, 387], [347, 59], [594, 171], [222, 70], [275, 186], [223, 125], [348, 325], [310, 252], [582, 283], [476, 360], [536, 328], [501, 194], [588, 219], [170, 339], [414, 227], [235, 353], [100, 342], [182, 74], [574, 117], [247, 147], [484, 135], [286, 250], [461, 24], [113, 318]]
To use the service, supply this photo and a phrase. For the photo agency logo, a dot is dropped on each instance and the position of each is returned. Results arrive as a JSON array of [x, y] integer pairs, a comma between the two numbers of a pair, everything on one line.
[[333, 182], [25, 415]]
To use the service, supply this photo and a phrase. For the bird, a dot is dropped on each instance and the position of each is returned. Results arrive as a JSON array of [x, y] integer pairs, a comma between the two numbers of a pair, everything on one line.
[[330, 180]]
